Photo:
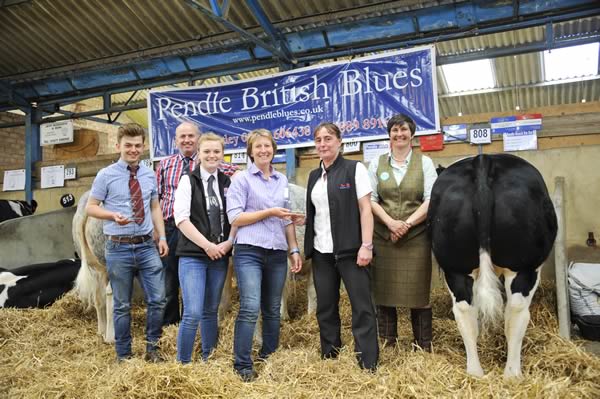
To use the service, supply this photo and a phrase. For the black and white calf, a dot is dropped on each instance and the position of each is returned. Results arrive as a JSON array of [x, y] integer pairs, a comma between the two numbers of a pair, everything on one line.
[[37, 286], [12, 209], [491, 215]]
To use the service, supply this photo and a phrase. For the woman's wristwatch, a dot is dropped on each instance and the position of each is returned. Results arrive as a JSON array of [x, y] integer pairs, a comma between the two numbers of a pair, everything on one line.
[[294, 251], [368, 245]]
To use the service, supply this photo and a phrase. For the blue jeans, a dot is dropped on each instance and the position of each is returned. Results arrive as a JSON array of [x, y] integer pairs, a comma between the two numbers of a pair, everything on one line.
[[123, 261], [201, 283], [260, 276]]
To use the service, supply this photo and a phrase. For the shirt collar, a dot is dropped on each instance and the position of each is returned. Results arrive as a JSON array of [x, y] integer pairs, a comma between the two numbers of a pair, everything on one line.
[[253, 169], [193, 157], [205, 175], [123, 165]]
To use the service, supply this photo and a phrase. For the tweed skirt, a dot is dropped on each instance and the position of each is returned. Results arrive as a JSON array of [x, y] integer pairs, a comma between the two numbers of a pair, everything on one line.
[[402, 272]]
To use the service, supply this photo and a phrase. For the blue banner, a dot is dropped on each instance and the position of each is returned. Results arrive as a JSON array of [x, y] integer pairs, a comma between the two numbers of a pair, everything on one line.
[[358, 95]]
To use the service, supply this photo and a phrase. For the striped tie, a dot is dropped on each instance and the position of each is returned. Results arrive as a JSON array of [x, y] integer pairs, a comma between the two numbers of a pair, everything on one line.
[[186, 166], [137, 204]]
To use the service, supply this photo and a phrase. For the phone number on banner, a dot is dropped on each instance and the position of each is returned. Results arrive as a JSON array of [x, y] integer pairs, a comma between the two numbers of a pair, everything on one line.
[[345, 127], [365, 124]]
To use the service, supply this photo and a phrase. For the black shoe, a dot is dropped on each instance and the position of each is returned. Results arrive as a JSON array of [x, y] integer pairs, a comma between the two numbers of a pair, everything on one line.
[[261, 359], [153, 357], [370, 369], [249, 377]]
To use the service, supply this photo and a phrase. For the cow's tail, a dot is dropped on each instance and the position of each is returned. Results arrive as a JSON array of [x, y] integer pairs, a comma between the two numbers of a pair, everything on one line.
[[85, 283], [487, 295]]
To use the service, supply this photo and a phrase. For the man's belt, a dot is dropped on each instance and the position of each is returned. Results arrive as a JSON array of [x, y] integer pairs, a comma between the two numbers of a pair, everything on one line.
[[131, 239]]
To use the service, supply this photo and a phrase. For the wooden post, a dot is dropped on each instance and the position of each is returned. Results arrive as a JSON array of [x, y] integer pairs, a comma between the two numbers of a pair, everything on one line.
[[560, 260]]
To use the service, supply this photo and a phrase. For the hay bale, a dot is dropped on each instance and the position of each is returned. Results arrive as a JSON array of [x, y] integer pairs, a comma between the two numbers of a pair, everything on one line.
[[55, 352]]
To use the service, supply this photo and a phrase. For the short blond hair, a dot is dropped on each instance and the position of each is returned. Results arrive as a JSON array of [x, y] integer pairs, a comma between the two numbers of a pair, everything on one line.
[[255, 134], [210, 136]]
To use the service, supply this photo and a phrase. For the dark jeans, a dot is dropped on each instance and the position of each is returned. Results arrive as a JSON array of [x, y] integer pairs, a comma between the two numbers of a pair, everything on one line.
[[260, 276], [171, 267], [327, 274]]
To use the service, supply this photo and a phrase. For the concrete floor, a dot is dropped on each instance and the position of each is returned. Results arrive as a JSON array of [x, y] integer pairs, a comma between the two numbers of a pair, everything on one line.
[[592, 347], [589, 346]]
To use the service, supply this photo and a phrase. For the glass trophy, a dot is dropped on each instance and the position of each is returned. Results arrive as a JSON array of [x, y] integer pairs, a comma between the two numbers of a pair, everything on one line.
[[128, 212], [293, 204]]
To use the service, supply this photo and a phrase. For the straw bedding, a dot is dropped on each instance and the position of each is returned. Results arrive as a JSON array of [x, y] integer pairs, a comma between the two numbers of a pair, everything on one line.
[[55, 353]]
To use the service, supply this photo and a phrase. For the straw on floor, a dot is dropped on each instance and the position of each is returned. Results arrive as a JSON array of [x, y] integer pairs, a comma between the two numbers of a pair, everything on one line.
[[55, 353]]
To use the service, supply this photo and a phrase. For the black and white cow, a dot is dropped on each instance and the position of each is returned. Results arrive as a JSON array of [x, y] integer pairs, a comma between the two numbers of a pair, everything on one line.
[[12, 209], [491, 215], [37, 286]]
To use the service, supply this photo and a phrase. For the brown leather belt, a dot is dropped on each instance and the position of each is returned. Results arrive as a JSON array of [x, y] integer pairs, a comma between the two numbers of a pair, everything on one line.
[[131, 239]]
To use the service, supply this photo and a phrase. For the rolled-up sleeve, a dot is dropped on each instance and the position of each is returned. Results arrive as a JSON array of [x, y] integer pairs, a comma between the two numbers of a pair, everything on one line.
[[183, 200], [430, 176], [361, 178], [237, 196]]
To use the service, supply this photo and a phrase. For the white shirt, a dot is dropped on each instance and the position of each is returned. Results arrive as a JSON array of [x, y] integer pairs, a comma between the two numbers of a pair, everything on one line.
[[400, 169], [320, 199], [183, 196]]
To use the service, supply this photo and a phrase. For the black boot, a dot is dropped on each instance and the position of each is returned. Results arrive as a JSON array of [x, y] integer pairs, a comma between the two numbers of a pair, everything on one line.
[[387, 321], [422, 328]]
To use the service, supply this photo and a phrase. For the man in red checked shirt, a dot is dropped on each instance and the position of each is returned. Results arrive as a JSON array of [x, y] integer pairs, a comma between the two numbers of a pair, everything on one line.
[[168, 174]]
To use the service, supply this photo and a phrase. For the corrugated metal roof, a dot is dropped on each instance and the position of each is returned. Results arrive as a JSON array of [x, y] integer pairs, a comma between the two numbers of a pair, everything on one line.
[[520, 77], [43, 34]]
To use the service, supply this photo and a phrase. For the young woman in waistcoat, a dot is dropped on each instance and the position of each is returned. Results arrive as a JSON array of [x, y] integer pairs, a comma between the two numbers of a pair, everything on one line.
[[401, 181], [203, 248], [338, 238]]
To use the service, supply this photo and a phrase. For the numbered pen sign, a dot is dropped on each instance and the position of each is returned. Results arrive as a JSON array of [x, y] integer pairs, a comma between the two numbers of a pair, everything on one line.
[[238, 157], [147, 163], [482, 135], [70, 172], [352, 146]]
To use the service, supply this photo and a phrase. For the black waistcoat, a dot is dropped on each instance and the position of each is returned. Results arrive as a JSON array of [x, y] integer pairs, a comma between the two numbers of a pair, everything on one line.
[[343, 209], [199, 214]]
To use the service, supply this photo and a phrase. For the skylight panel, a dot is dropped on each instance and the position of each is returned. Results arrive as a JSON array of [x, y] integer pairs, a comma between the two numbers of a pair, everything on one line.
[[470, 75], [571, 62]]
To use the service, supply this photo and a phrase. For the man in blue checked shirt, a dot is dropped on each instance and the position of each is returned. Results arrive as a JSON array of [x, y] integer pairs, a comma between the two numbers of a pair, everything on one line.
[[131, 212]]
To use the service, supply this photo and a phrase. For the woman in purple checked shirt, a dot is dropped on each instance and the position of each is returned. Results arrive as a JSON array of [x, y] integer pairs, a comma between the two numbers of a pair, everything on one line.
[[255, 202]]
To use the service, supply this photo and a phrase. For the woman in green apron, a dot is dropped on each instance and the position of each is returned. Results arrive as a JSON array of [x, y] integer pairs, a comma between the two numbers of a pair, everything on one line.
[[402, 180]]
